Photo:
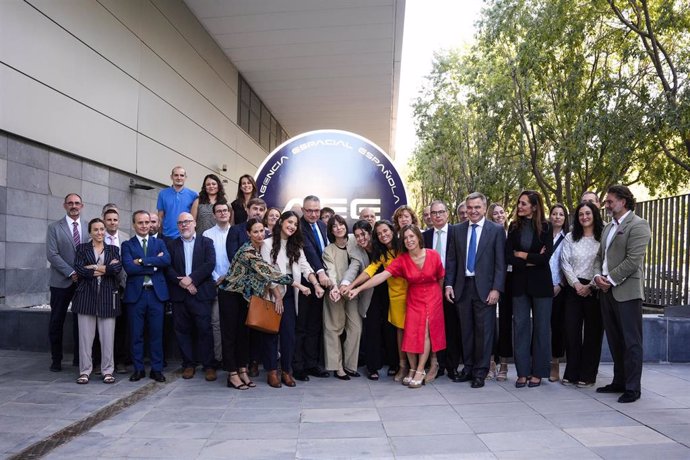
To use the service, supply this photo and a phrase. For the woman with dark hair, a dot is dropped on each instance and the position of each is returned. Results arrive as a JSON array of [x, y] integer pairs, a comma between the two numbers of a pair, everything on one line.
[[558, 218], [212, 192], [424, 325], [528, 249], [402, 216], [246, 190], [580, 263], [249, 275], [283, 251], [385, 250], [270, 218], [504, 338], [97, 300], [340, 314]]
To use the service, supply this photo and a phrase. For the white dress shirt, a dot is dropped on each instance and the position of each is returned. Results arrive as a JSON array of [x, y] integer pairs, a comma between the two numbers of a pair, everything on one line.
[[219, 237]]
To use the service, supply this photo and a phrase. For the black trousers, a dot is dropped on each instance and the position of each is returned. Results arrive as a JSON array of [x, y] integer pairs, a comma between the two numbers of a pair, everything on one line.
[[285, 338], [477, 326], [558, 325], [450, 357], [582, 347], [123, 341], [308, 332], [380, 342], [234, 335], [192, 321], [623, 326], [59, 302]]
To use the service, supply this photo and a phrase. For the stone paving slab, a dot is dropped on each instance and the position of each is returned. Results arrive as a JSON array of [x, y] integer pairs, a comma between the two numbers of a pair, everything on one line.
[[328, 418]]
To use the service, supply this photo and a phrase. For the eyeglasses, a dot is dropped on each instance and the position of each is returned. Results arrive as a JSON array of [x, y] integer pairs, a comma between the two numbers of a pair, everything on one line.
[[222, 211], [184, 223], [438, 213]]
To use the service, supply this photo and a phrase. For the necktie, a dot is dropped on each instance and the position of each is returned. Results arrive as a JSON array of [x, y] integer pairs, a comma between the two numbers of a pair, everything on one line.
[[472, 253], [75, 234], [147, 278], [111, 239], [317, 237], [439, 243]]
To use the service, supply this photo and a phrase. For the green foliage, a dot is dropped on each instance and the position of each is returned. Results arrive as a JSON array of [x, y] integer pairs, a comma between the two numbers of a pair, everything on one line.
[[559, 95]]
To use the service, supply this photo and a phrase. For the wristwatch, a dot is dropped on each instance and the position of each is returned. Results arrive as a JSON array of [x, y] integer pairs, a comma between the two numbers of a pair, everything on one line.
[[141, 261]]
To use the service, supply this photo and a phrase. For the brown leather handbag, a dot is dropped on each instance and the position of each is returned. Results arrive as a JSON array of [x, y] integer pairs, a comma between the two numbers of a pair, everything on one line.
[[262, 315]]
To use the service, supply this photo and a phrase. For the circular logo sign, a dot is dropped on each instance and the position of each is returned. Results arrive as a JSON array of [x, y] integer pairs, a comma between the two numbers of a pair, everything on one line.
[[346, 171]]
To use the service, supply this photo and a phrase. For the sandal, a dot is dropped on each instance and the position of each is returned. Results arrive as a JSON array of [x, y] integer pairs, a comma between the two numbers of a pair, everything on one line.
[[433, 372], [391, 372], [417, 383], [241, 386], [502, 375], [373, 375], [406, 381], [402, 371], [108, 378], [83, 379], [246, 380]]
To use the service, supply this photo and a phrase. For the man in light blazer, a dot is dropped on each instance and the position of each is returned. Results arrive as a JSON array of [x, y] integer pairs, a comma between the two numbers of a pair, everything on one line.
[[192, 290], [475, 278], [145, 258], [62, 238], [437, 238], [623, 245]]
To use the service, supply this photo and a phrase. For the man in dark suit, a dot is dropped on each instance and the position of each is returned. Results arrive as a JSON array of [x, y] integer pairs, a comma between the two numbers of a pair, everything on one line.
[[237, 235], [310, 317], [437, 238], [475, 278], [62, 238], [192, 290], [623, 245], [145, 258]]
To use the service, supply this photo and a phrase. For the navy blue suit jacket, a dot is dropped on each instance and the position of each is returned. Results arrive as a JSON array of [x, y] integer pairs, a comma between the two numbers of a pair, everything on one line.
[[490, 267], [131, 249], [312, 250], [203, 263]]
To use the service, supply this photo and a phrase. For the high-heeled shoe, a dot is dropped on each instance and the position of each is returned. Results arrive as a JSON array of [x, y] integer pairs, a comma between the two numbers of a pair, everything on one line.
[[417, 383], [402, 371], [244, 376], [408, 378], [433, 372], [341, 377], [502, 375], [555, 369], [519, 384], [241, 386]]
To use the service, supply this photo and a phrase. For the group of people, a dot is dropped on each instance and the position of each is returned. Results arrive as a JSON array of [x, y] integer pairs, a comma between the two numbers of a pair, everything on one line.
[[383, 292]]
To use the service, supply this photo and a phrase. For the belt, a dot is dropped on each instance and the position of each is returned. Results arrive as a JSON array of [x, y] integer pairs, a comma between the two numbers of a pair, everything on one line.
[[148, 287]]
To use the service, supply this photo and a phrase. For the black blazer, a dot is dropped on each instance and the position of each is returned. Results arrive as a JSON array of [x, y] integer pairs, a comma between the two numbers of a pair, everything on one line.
[[203, 263], [89, 298], [534, 280], [312, 250], [490, 267]]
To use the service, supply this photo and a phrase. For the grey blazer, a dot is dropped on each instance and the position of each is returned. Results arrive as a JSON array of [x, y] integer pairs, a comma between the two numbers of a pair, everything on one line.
[[60, 252], [359, 260], [490, 267], [626, 257]]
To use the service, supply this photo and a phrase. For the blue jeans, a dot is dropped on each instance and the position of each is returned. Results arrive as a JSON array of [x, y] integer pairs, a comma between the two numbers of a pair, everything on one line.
[[532, 347]]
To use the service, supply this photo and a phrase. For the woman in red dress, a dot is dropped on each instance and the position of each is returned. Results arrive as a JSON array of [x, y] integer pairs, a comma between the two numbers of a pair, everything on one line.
[[424, 329]]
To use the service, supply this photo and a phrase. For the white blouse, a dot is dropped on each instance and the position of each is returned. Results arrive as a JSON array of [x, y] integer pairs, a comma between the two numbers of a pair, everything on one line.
[[579, 258]]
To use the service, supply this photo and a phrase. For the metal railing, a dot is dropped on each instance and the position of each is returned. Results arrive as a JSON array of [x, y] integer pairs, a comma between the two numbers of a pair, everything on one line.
[[667, 267]]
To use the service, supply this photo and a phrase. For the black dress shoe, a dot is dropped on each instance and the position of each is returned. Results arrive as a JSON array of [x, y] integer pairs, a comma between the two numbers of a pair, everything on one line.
[[441, 371], [477, 382], [301, 376], [452, 374], [462, 377], [341, 377], [137, 375], [157, 376], [611, 388], [316, 372], [56, 366], [629, 396]]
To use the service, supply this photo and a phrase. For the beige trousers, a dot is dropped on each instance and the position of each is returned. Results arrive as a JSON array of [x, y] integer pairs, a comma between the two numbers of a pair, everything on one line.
[[106, 334], [339, 317]]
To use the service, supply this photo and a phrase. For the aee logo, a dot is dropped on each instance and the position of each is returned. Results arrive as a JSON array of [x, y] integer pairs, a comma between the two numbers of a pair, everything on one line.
[[341, 206]]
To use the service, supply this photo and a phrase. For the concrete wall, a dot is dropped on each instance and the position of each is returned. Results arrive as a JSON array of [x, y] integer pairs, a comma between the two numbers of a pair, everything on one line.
[[137, 85], [34, 180]]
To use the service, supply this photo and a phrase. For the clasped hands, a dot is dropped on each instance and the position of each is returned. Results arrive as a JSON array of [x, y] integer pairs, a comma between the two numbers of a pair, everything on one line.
[[187, 283]]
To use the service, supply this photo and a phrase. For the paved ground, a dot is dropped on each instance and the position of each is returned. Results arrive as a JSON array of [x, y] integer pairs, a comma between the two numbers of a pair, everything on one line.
[[328, 418]]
